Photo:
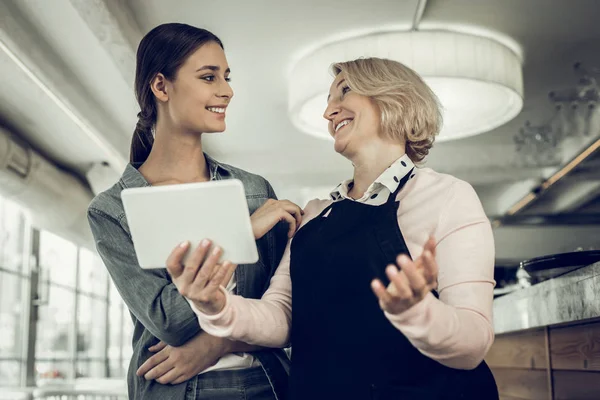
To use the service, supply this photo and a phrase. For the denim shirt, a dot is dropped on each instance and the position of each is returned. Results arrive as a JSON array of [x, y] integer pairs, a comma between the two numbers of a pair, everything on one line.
[[157, 309]]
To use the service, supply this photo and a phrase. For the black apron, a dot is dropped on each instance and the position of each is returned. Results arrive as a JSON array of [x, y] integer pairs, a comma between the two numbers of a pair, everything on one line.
[[343, 345]]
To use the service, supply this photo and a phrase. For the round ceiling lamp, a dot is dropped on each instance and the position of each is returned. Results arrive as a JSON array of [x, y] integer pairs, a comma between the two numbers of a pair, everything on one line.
[[478, 80]]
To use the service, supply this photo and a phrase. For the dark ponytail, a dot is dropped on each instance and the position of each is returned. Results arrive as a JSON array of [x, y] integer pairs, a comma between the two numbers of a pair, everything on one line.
[[163, 50], [142, 140]]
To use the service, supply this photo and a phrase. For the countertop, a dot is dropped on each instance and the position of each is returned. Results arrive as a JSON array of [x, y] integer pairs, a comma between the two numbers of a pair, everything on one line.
[[572, 297]]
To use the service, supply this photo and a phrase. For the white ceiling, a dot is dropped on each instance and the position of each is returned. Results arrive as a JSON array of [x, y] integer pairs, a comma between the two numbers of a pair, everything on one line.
[[84, 52]]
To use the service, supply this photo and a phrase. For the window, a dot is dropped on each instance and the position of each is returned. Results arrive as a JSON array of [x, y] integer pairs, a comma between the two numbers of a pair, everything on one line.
[[83, 328], [55, 334], [92, 316], [72, 326], [13, 287], [121, 330], [12, 236], [11, 290], [92, 277], [58, 260], [10, 372], [91, 336]]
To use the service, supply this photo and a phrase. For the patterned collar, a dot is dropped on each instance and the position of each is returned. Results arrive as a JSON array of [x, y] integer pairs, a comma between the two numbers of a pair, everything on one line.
[[380, 190]]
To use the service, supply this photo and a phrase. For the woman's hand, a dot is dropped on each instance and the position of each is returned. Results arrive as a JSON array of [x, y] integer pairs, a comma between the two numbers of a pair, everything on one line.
[[409, 285], [272, 212], [173, 365], [202, 275]]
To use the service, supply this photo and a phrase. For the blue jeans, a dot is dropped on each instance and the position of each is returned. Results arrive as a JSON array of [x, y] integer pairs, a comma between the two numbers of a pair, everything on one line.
[[243, 384]]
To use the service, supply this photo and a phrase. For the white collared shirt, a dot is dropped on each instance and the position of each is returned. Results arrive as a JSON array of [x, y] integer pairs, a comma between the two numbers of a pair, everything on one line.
[[381, 189]]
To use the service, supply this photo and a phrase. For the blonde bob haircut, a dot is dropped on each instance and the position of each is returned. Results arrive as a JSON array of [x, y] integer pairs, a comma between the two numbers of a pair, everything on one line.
[[410, 111]]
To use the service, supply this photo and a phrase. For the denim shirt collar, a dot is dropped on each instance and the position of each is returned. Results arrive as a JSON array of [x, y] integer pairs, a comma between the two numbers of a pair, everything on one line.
[[132, 178]]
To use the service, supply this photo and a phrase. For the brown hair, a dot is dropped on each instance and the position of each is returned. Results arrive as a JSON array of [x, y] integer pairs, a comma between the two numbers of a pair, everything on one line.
[[163, 50]]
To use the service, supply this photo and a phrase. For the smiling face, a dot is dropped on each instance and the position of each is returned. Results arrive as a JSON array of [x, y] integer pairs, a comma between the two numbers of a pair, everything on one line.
[[198, 97], [387, 103], [354, 120]]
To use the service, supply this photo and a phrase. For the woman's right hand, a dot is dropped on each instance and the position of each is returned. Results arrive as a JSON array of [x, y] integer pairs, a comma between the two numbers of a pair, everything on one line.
[[272, 212]]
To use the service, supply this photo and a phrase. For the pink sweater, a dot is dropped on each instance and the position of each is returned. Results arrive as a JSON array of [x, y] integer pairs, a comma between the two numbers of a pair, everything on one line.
[[455, 330]]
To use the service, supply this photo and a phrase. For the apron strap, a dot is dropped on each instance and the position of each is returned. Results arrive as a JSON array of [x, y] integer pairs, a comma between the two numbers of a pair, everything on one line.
[[392, 198], [387, 238], [384, 240]]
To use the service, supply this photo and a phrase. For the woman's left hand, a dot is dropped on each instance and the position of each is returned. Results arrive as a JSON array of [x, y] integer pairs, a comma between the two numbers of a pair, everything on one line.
[[202, 276], [174, 365], [411, 283]]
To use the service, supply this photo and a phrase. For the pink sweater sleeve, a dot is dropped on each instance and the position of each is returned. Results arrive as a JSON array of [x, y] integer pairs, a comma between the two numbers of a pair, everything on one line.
[[265, 322], [457, 329]]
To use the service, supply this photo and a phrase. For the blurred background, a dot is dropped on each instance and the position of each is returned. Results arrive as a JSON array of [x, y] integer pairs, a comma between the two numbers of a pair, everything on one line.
[[518, 80]]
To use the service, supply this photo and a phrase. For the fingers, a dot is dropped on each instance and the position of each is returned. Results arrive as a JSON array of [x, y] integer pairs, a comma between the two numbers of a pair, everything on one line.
[[180, 379], [152, 362], [290, 220], [411, 283], [290, 213], [204, 276], [169, 376], [416, 281], [159, 370], [430, 268], [293, 209], [157, 347], [222, 270], [380, 291], [398, 291], [194, 261], [208, 267], [430, 245], [174, 265], [274, 211], [400, 281], [230, 269]]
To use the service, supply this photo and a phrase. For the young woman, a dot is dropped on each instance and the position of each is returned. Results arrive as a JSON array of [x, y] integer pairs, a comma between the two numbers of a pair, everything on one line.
[[182, 86], [392, 278]]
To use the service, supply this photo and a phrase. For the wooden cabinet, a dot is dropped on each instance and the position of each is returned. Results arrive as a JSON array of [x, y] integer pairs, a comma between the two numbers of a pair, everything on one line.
[[548, 363]]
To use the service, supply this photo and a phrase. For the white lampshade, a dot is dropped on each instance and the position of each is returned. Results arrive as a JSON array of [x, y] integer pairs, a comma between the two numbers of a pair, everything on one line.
[[478, 80]]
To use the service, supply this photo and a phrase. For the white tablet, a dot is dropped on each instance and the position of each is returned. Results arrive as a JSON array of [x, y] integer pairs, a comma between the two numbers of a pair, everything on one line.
[[161, 217]]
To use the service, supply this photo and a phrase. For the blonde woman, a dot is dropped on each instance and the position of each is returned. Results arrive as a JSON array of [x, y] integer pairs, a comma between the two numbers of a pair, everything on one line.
[[367, 265]]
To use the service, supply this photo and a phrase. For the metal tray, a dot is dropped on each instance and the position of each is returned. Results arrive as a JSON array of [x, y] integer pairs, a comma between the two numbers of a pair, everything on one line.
[[553, 265]]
